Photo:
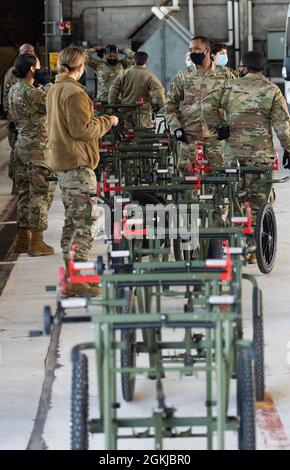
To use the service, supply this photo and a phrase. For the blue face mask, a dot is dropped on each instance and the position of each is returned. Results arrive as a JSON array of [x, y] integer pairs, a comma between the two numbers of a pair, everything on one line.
[[222, 60]]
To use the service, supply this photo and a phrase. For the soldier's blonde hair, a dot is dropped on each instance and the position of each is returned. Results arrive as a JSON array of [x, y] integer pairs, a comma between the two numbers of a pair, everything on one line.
[[70, 59]]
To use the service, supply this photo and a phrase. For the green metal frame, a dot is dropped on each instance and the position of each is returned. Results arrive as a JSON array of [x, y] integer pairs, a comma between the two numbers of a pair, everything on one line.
[[221, 342], [136, 165]]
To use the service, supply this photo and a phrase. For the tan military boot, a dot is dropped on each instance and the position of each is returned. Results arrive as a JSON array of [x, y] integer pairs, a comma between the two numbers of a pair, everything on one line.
[[252, 259], [22, 240], [81, 289], [37, 246]]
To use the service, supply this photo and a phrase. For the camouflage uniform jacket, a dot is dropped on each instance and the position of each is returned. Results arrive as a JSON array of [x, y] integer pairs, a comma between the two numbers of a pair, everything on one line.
[[253, 105], [186, 95], [137, 83], [106, 73], [235, 73], [9, 81], [28, 111]]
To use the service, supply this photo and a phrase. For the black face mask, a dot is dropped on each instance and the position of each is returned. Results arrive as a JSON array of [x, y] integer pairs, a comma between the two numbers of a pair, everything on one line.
[[37, 75], [40, 77], [242, 72], [112, 61], [197, 57]]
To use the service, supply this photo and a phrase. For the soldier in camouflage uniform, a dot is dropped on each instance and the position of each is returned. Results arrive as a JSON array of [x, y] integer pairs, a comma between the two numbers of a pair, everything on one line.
[[107, 70], [220, 57], [135, 84], [253, 105], [35, 192], [183, 110], [9, 81], [73, 133]]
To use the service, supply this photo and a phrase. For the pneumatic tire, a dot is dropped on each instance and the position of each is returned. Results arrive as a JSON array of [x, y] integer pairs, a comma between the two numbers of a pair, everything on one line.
[[80, 403], [258, 329], [128, 353], [246, 401], [215, 249], [266, 238]]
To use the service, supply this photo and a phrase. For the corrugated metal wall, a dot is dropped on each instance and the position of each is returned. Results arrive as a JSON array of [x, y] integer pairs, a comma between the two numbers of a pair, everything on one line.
[[112, 20]]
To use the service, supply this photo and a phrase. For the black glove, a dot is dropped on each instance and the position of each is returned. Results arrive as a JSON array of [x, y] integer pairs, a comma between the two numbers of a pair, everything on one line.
[[155, 108], [286, 160], [100, 53], [11, 126], [180, 135], [223, 132], [119, 132]]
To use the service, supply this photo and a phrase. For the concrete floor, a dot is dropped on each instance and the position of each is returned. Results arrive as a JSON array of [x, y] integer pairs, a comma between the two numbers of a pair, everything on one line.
[[22, 357]]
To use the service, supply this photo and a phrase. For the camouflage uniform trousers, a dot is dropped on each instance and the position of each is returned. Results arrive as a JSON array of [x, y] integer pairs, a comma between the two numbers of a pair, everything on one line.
[[213, 152], [130, 120], [35, 193], [186, 154], [253, 185], [12, 138], [78, 187]]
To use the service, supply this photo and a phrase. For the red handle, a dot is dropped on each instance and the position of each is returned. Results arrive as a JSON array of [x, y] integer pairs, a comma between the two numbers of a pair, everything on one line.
[[228, 275], [276, 161], [248, 229]]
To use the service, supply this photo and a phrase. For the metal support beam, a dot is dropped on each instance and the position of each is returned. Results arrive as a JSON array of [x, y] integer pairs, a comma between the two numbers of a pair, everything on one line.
[[237, 31], [191, 17], [52, 17]]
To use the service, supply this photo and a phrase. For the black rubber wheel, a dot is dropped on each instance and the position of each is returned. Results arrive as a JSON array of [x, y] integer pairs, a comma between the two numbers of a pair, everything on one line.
[[123, 245], [100, 265], [266, 238], [47, 320], [128, 359], [80, 404], [215, 249], [246, 401], [146, 198], [128, 354], [258, 330], [178, 252]]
